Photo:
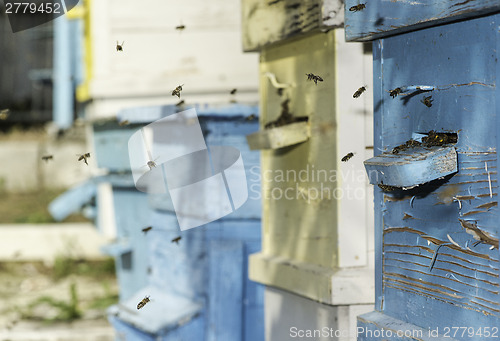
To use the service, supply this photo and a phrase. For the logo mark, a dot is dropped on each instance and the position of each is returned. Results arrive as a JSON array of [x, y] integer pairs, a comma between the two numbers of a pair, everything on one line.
[[171, 156]]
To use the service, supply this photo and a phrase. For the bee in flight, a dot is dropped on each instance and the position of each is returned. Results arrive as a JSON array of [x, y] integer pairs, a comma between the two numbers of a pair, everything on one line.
[[394, 93], [176, 240], [314, 78], [46, 158], [180, 27], [146, 229], [359, 92], [124, 123], [142, 303], [233, 91], [119, 47], [177, 91], [347, 157], [180, 103], [83, 157], [427, 101], [357, 8], [4, 114]]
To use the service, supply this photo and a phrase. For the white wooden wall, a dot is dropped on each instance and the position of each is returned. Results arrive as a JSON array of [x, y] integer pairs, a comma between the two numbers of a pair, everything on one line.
[[206, 57]]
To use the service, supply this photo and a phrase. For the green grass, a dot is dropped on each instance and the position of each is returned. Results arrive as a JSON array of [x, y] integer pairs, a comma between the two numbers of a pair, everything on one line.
[[65, 311], [65, 266], [30, 208]]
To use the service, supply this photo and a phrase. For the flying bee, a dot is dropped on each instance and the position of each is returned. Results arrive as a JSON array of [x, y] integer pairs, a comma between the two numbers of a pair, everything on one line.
[[357, 8], [347, 157], [359, 92], [394, 93], [124, 123], [4, 114], [177, 91], [314, 78], [142, 303], [427, 101], [180, 27], [119, 47], [233, 91], [46, 158], [250, 117], [180, 103], [176, 240], [146, 229], [83, 157]]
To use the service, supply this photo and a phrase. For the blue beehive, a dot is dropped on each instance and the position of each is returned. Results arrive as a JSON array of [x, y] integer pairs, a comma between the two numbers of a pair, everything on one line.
[[436, 216], [199, 288]]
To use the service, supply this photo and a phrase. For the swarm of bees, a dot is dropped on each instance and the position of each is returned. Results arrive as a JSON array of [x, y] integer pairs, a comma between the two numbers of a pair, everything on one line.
[[146, 229], [407, 145], [119, 47], [177, 91], [427, 101], [387, 188], [314, 78], [359, 92], [347, 157], [357, 8], [176, 240], [83, 157], [4, 114], [142, 303], [46, 158], [394, 93]]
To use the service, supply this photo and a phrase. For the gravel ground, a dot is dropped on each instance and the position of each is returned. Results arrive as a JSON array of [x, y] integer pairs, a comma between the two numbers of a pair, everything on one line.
[[36, 306]]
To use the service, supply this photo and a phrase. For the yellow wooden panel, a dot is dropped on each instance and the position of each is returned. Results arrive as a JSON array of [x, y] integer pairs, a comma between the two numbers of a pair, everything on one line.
[[299, 210]]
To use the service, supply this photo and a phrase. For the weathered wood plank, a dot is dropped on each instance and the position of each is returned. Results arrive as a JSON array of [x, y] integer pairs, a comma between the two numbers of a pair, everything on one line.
[[272, 21], [381, 18]]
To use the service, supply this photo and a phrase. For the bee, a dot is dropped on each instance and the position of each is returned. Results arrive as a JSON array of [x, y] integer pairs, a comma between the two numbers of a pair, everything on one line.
[[387, 188], [347, 157], [177, 91], [119, 47], [46, 158], [180, 103], [233, 91], [357, 8], [124, 123], [180, 27], [427, 101], [314, 78], [4, 114], [394, 93], [146, 229], [359, 92], [83, 157], [142, 303], [176, 240], [250, 117]]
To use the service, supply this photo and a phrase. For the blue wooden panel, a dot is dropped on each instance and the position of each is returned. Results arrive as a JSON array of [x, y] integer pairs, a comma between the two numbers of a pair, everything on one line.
[[429, 270], [224, 320], [382, 18]]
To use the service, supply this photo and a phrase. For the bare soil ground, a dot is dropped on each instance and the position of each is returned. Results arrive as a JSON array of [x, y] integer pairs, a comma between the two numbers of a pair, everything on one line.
[[65, 302]]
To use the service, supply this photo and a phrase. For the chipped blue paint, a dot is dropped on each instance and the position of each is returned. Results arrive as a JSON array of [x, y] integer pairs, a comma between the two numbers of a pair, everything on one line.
[[430, 272], [382, 18], [413, 167]]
